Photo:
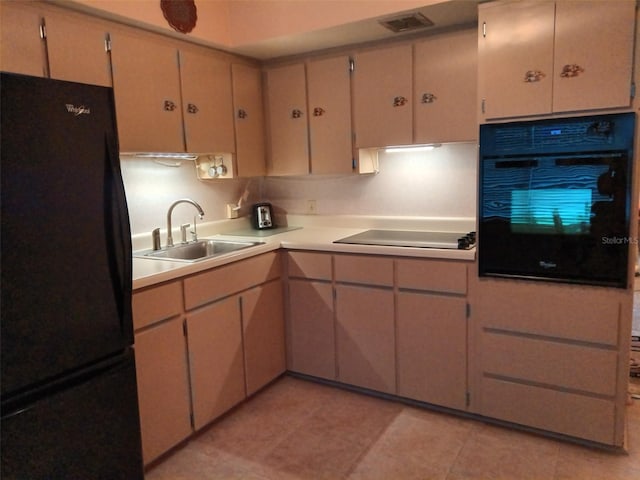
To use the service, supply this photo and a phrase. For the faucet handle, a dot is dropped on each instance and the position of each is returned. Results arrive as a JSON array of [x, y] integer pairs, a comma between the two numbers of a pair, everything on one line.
[[155, 239], [194, 232], [183, 231]]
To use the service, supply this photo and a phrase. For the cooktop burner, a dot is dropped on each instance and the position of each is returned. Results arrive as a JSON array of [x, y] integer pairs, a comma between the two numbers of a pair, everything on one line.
[[410, 238]]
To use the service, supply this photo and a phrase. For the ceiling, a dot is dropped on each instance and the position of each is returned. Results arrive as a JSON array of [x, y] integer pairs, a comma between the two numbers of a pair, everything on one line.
[[444, 15]]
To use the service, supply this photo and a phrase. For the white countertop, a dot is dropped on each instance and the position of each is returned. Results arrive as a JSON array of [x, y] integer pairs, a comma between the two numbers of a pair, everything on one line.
[[317, 233]]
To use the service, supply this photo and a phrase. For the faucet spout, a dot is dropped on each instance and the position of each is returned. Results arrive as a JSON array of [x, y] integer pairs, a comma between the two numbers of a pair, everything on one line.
[[170, 211]]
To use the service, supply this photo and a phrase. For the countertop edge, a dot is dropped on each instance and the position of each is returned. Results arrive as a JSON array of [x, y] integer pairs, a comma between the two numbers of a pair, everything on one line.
[[149, 272]]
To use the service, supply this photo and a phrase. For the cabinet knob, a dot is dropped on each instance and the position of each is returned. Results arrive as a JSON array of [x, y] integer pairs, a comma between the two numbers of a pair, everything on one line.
[[295, 113], [191, 108], [242, 113], [533, 76], [169, 106], [428, 98], [399, 101], [318, 111], [572, 70]]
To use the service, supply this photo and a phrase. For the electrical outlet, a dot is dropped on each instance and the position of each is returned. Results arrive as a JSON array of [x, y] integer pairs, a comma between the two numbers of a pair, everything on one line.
[[312, 207], [232, 210]]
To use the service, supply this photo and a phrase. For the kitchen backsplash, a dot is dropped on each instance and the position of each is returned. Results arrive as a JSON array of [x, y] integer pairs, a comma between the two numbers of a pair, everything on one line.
[[437, 183]]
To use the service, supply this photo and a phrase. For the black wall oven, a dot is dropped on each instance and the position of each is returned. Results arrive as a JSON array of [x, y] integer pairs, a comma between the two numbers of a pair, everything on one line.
[[555, 199]]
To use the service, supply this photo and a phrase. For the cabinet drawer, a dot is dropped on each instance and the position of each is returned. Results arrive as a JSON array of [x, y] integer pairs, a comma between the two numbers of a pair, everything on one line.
[[309, 265], [220, 282], [568, 312], [156, 304], [364, 269], [559, 364], [432, 275], [567, 413]]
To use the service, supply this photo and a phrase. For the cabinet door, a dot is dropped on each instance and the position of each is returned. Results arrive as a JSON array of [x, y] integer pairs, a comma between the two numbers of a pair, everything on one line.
[[288, 130], [311, 329], [77, 49], [515, 58], [593, 63], [432, 349], [249, 120], [445, 69], [329, 90], [382, 91], [215, 360], [366, 338], [146, 84], [21, 48], [163, 388], [263, 335], [207, 103]]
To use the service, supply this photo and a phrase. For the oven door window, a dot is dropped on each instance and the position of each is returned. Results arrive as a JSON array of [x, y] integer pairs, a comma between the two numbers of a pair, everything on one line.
[[556, 217]]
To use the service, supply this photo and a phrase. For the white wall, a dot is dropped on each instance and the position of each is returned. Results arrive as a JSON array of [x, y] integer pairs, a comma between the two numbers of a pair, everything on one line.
[[438, 183]]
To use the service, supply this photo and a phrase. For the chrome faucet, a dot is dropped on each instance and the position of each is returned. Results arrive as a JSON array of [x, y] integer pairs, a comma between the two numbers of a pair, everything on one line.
[[183, 200]]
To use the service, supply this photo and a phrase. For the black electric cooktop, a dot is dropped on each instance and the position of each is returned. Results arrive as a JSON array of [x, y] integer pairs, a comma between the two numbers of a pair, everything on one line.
[[410, 238]]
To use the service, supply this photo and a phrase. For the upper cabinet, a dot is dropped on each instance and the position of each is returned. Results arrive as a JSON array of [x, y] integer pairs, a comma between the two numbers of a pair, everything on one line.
[[78, 48], [47, 42], [309, 108], [287, 117], [249, 120], [330, 134], [417, 93], [207, 106], [541, 57], [22, 47], [382, 97], [170, 97], [146, 82], [445, 88]]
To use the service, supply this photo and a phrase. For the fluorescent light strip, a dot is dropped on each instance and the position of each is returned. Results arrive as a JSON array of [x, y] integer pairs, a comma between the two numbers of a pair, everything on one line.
[[411, 148], [172, 156]]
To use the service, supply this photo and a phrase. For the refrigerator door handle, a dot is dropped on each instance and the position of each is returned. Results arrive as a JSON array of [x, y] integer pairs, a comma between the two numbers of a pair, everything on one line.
[[120, 243]]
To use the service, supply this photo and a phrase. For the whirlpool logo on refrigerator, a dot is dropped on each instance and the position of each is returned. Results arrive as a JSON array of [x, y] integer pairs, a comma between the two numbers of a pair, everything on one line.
[[78, 110]]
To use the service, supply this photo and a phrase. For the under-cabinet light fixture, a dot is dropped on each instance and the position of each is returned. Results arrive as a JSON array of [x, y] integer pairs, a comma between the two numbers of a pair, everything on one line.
[[165, 155], [411, 148]]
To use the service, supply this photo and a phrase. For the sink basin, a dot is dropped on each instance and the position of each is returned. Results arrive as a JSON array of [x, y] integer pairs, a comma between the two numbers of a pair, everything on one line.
[[195, 251]]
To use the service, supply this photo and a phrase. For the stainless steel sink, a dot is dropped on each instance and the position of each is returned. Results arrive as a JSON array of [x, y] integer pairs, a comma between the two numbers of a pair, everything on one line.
[[195, 251]]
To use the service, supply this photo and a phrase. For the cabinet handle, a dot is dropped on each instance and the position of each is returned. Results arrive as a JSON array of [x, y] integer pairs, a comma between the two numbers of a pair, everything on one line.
[[169, 106], [242, 113], [428, 98], [191, 108], [318, 111], [572, 70], [399, 101], [533, 76], [295, 113]]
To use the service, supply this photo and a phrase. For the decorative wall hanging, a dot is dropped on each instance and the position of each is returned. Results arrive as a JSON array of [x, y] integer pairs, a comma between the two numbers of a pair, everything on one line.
[[180, 14]]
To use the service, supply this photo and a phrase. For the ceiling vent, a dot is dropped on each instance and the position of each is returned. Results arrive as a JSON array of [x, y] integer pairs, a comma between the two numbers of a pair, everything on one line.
[[407, 23]]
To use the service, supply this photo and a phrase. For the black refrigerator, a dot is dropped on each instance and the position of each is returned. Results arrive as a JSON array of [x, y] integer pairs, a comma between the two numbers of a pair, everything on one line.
[[69, 398]]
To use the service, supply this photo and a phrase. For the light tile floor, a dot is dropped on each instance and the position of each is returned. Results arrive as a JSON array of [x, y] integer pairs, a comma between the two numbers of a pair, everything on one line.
[[299, 430]]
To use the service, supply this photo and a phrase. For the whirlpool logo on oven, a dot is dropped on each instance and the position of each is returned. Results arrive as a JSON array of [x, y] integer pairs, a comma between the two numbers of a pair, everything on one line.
[[78, 110]]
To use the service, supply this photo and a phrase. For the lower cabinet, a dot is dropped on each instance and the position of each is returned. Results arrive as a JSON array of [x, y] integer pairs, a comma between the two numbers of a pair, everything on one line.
[[163, 387], [432, 349], [203, 343], [263, 333], [216, 364], [365, 337], [311, 333]]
